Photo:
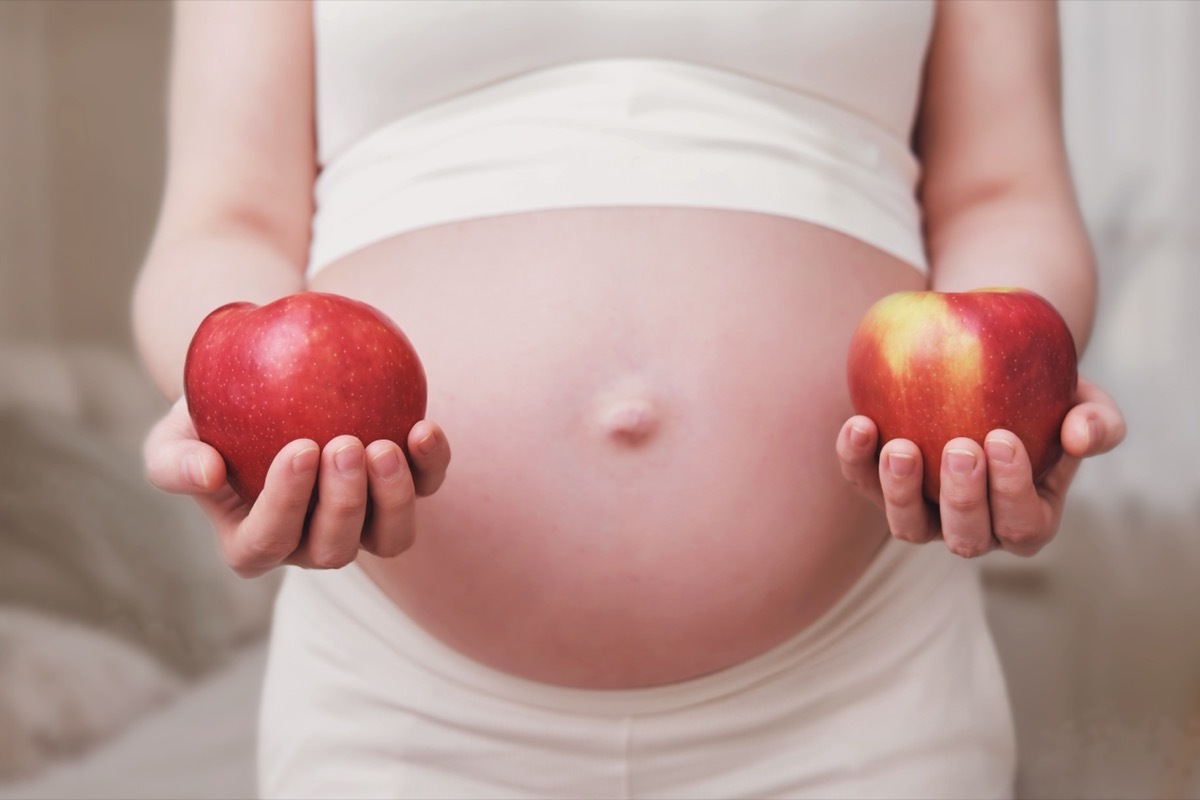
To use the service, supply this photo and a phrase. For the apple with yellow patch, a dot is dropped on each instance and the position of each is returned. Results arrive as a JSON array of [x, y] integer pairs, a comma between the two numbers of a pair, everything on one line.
[[933, 366]]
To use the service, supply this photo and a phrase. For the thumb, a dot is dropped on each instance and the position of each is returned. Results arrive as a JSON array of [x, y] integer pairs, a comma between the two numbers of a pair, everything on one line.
[[1095, 425], [176, 460]]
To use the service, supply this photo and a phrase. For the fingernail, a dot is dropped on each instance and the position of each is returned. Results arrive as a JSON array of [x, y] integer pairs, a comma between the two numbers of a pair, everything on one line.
[[193, 467], [901, 464], [999, 450], [859, 436], [386, 464], [961, 462], [427, 445], [1093, 432], [349, 460], [305, 461]]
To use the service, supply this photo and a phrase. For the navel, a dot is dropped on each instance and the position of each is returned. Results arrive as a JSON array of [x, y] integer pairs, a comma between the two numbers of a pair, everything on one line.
[[628, 417]]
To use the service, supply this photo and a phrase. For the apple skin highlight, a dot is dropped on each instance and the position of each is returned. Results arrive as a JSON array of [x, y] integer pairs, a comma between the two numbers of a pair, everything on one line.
[[307, 366], [933, 366]]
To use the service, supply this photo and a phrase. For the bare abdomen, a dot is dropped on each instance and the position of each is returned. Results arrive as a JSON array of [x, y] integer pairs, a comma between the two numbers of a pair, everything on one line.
[[642, 406]]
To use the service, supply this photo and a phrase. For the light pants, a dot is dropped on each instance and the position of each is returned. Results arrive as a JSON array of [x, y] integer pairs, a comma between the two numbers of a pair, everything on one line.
[[896, 692]]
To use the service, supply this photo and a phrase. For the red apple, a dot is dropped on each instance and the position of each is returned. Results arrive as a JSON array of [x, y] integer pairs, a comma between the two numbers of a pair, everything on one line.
[[933, 366], [307, 366]]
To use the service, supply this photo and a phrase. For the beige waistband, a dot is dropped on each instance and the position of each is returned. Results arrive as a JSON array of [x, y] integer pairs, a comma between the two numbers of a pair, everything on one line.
[[902, 594]]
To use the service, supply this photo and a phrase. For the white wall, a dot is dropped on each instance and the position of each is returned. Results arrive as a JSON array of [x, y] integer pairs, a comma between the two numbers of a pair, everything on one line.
[[81, 148], [1132, 84], [27, 302]]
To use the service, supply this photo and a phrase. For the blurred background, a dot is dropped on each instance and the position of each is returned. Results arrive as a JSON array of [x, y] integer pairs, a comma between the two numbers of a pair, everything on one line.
[[129, 656]]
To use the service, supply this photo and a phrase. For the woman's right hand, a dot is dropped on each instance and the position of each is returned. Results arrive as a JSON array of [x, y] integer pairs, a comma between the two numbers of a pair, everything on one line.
[[367, 495]]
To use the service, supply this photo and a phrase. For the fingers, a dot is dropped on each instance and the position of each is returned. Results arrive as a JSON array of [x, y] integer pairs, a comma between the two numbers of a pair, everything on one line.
[[366, 499], [963, 502], [365, 496], [988, 497], [336, 523], [900, 476], [271, 531], [395, 486], [1094, 425], [856, 445], [391, 524], [178, 462], [893, 481], [430, 456], [1023, 520]]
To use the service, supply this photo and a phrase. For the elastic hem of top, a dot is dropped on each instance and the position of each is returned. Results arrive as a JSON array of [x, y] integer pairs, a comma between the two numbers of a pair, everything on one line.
[[622, 133]]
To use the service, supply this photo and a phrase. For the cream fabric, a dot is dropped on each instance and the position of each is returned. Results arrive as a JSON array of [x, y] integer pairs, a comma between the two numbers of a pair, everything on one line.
[[436, 112], [896, 692]]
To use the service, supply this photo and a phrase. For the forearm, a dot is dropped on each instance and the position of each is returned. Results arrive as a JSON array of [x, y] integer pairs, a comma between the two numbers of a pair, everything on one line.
[[187, 276], [999, 206], [1032, 242], [234, 224]]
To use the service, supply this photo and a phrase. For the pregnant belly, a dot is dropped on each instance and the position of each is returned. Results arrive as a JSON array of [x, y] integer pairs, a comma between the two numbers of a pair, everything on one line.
[[642, 406]]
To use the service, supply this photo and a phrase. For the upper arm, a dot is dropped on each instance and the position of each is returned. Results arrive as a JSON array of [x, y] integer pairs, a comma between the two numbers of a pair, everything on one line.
[[990, 122], [242, 151], [999, 206]]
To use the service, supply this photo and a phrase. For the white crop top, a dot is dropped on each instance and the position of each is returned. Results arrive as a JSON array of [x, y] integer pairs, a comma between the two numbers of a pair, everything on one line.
[[441, 110]]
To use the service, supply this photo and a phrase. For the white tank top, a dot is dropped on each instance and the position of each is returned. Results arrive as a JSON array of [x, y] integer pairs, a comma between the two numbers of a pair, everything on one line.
[[431, 111]]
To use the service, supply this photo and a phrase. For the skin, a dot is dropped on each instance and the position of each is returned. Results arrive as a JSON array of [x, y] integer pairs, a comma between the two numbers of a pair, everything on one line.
[[1000, 211], [598, 485]]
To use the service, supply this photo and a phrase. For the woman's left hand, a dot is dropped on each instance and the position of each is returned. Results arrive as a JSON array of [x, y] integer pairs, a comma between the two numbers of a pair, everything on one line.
[[988, 498]]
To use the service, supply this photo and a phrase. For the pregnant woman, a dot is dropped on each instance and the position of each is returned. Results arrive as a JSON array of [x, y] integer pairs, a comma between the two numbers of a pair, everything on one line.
[[630, 241]]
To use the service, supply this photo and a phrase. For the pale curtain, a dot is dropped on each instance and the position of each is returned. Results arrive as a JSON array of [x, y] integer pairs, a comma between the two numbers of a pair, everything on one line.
[[1100, 633], [1132, 111]]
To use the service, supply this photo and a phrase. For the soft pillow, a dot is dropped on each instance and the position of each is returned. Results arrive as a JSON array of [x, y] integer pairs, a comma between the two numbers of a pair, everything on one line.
[[84, 537], [64, 686], [99, 569]]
